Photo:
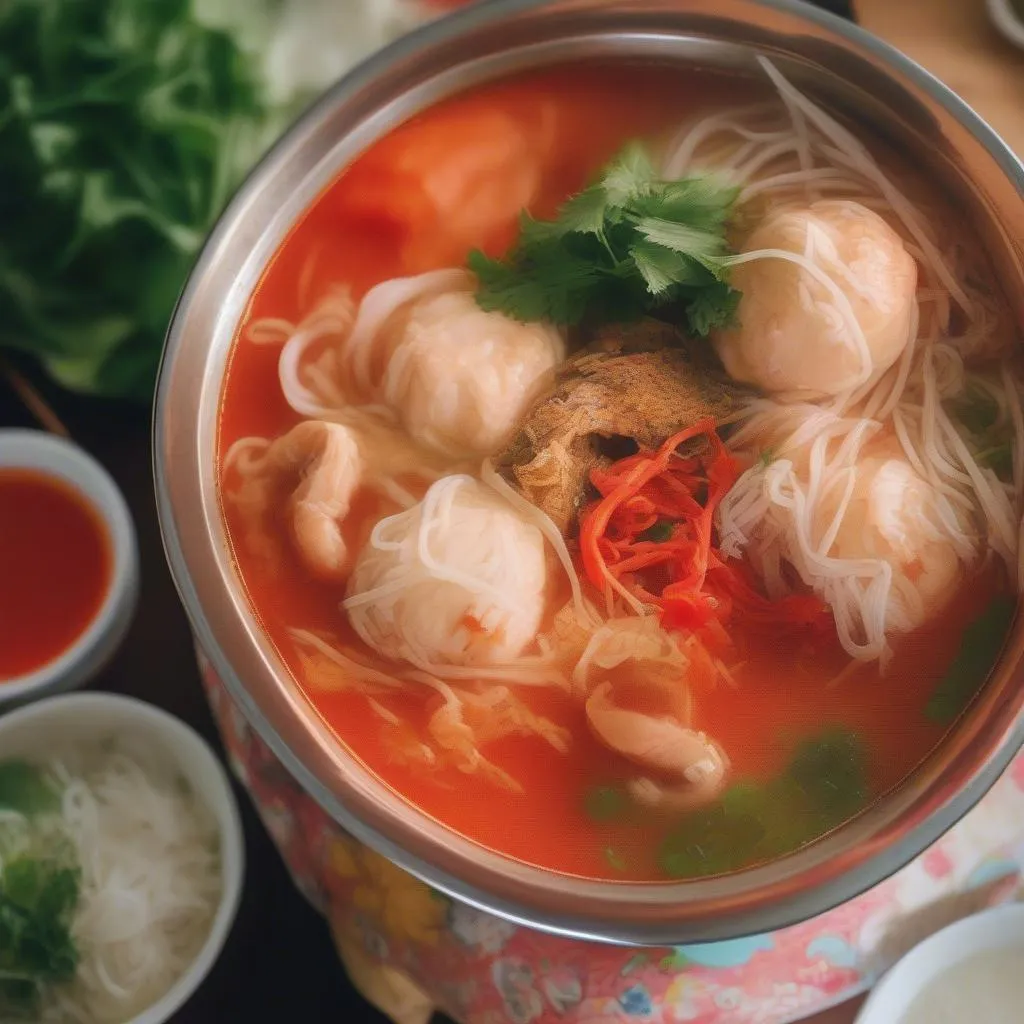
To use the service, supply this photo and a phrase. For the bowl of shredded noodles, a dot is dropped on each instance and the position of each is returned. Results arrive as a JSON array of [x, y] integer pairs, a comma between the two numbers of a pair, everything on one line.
[[121, 861]]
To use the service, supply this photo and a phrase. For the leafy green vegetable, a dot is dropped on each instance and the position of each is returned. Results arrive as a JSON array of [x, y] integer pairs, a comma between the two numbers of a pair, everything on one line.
[[979, 648], [717, 839], [977, 415], [831, 772], [38, 897], [627, 246], [124, 127], [824, 784], [26, 789]]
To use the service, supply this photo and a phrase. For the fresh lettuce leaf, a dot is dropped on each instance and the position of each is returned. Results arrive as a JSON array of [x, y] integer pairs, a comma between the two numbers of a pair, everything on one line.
[[125, 125]]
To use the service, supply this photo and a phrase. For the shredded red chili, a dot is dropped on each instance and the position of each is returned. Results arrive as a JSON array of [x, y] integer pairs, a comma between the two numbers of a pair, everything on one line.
[[683, 573]]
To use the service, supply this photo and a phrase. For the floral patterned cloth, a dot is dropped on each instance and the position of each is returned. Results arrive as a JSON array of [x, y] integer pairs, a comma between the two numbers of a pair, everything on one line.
[[410, 949]]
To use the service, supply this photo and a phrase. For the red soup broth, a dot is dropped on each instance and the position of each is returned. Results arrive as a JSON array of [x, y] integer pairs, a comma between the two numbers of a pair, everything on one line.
[[55, 569], [376, 221]]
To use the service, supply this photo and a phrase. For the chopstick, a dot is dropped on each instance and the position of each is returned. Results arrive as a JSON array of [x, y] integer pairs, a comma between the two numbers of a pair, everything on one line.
[[33, 401]]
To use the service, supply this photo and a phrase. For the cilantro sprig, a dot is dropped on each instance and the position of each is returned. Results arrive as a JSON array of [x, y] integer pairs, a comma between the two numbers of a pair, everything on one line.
[[124, 128], [40, 885], [629, 245], [37, 900]]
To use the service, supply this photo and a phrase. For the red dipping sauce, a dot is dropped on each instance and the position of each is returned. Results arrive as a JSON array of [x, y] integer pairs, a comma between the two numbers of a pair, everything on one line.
[[56, 564]]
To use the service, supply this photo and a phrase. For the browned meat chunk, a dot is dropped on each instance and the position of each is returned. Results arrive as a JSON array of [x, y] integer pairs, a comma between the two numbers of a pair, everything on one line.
[[636, 383]]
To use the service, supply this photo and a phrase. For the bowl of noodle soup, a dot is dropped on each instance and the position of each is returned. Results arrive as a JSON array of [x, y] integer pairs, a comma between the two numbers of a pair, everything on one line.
[[604, 490]]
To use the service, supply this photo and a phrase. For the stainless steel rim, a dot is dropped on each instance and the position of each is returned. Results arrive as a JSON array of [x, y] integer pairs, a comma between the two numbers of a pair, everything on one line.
[[648, 914]]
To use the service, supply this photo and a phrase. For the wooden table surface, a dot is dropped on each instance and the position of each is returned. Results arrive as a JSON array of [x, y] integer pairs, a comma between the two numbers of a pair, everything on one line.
[[956, 42], [278, 963]]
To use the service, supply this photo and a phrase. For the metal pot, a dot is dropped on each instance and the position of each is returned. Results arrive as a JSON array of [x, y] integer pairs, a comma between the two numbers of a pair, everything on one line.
[[844, 67]]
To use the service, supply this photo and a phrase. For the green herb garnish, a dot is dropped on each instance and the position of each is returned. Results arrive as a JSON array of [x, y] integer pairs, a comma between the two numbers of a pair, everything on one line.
[[26, 789], [38, 897], [628, 246], [124, 128], [824, 784], [979, 648]]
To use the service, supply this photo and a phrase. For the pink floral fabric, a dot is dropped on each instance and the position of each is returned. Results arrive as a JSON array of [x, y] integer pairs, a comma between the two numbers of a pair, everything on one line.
[[410, 948]]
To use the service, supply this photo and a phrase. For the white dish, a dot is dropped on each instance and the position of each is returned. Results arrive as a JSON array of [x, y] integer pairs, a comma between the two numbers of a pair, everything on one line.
[[90, 718], [1007, 20], [997, 929], [53, 456]]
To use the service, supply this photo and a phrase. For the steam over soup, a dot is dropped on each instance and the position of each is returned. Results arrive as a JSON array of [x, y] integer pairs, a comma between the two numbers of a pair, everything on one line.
[[628, 472]]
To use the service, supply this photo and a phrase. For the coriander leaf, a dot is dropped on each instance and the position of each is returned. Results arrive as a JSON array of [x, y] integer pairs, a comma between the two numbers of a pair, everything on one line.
[[38, 897], [25, 788], [663, 269], [585, 212], [542, 286], [23, 882], [700, 202], [533, 232], [703, 246], [712, 308], [59, 894], [628, 176], [982, 641], [619, 250]]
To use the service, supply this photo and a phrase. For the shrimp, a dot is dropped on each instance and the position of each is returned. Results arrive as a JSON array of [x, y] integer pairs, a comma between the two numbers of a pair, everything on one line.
[[690, 769], [326, 458]]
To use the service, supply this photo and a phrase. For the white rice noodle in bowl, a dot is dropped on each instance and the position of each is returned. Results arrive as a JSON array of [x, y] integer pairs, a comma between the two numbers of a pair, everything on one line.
[[140, 851]]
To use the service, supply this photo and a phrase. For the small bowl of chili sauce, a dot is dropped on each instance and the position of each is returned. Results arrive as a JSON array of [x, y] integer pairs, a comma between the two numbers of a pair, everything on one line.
[[69, 566]]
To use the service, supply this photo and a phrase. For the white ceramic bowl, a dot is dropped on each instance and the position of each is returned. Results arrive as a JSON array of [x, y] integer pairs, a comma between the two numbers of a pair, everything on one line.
[[1007, 20], [91, 718], [999, 928], [53, 456]]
